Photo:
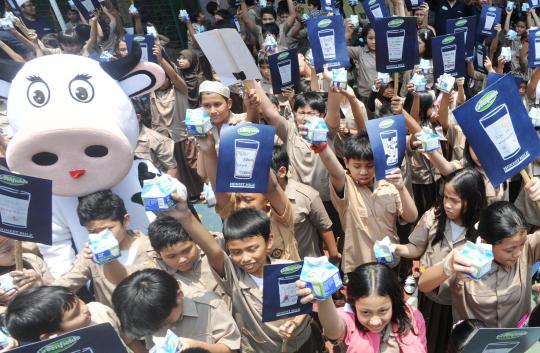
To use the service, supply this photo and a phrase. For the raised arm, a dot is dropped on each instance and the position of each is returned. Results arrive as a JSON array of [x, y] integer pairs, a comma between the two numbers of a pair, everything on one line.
[[276, 195], [437, 274], [177, 81], [10, 52], [507, 19], [292, 14], [271, 116], [330, 161], [443, 110]]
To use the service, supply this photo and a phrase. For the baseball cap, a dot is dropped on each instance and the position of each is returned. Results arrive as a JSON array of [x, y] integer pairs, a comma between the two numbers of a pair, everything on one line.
[[214, 87]]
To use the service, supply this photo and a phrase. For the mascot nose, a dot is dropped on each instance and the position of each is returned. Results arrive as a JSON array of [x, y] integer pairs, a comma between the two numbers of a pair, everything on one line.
[[77, 173]]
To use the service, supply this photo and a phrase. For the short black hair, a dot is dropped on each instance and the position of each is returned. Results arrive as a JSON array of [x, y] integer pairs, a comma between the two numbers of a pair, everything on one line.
[[245, 223], [166, 231], [212, 7], [280, 158], [225, 23], [500, 220], [101, 205], [71, 37], [271, 28], [358, 147], [315, 3], [38, 311], [144, 300], [226, 15], [269, 10], [195, 350], [311, 99]]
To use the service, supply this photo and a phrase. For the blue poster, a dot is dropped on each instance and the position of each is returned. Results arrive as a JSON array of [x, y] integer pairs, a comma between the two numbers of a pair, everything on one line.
[[499, 130], [394, 34], [448, 55], [503, 340], [328, 6], [279, 292], [327, 40], [494, 77], [284, 70], [245, 156], [87, 7], [534, 48], [14, 7], [467, 26], [25, 208], [533, 3], [92, 339], [375, 9], [387, 137], [413, 5], [489, 18], [479, 58], [147, 45]]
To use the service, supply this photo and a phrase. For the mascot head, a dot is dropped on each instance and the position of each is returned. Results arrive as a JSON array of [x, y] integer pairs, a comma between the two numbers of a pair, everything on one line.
[[73, 120]]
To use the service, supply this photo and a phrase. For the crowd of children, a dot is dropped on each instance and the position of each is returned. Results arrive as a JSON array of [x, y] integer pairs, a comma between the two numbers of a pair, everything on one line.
[[322, 198]]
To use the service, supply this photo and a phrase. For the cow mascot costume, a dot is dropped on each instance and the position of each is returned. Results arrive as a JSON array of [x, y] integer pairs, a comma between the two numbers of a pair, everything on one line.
[[73, 123]]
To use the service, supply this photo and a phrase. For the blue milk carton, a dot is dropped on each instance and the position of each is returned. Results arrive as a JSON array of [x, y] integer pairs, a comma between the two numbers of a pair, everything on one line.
[[157, 193], [429, 139], [171, 344], [480, 256], [321, 277], [383, 251], [317, 131], [104, 245], [183, 15], [198, 122]]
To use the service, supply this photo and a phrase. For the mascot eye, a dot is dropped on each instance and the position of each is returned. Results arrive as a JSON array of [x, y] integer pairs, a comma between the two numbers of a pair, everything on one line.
[[38, 94], [81, 90]]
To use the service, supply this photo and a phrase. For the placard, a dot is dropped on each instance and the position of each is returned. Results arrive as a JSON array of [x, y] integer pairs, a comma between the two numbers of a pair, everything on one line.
[[448, 55], [14, 7], [25, 208], [499, 130], [387, 137], [146, 43], [87, 7], [327, 40], [375, 9], [466, 26], [493, 77], [329, 6], [394, 35], [534, 48], [479, 58], [503, 340], [285, 70], [413, 5], [245, 156], [533, 3], [489, 18], [279, 292]]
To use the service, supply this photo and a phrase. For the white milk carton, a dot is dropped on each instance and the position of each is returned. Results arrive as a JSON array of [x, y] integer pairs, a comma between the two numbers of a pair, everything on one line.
[[429, 139], [419, 82], [446, 83], [339, 78], [104, 245], [384, 77], [317, 131], [171, 344], [321, 277], [383, 251], [198, 122], [6, 282], [157, 193], [480, 256]]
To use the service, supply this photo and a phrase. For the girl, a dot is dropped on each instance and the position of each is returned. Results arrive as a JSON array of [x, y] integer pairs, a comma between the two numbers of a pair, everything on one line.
[[442, 228], [364, 61], [502, 297], [188, 62], [379, 102], [375, 319]]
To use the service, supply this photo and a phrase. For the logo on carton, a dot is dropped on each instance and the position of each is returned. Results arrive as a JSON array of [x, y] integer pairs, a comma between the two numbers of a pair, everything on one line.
[[395, 23], [12, 180], [324, 23], [448, 40], [60, 345], [486, 101], [461, 22], [248, 131], [283, 55], [511, 335], [386, 123], [290, 269]]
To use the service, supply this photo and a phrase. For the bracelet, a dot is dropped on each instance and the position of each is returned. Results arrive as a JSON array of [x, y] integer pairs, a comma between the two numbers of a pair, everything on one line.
[[319, 149]]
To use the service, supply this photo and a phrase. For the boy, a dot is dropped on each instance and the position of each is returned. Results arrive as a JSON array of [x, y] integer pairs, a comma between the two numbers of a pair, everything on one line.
[[248, 240], [149, 302]]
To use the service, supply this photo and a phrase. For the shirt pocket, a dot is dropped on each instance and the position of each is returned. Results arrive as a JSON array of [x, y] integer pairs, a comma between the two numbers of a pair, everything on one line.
[[385, 208]]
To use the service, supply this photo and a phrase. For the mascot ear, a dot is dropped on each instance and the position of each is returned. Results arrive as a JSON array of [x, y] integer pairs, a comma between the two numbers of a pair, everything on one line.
[[8, 71]]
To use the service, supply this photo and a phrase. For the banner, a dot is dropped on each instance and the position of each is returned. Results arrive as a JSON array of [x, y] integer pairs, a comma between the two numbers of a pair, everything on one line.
[[499, 129], [285, 71], [327, 40], [392, 33], [534, 48], [467, 26], [387, 137], [479, 58], [375, 9], [503, 340], [489, 17], [25, 208], [147, 44], [87, 7], [448, 55], [533, 3], [245, 156], [279, 292], [413, 5]]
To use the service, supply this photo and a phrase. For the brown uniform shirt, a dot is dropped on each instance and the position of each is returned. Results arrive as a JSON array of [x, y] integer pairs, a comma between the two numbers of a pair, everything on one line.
[[366, 216], [366, 70], [157, 148], [168, 108]]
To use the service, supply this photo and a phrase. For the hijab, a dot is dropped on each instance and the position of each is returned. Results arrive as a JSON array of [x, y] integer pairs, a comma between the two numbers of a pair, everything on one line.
[[192, 76]]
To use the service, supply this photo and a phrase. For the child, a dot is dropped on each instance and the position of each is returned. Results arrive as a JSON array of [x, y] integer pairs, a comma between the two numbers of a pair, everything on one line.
[[248, 239], [448, 225], [376, 318], [149, 302], [462, 333], [99, 211]]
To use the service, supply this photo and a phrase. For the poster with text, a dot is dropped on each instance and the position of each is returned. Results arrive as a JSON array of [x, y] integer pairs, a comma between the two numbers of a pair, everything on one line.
[[284, 69], [329, 6], [466, 26], [503, 340], [387, 137], [534, 3], [494, 77], [87, 7], [327, 40], [448, 55], [413, 5], [534, 48], [375, 9], [489, 18], [499, 129], [394, 35], [146, 43], [479, 58]]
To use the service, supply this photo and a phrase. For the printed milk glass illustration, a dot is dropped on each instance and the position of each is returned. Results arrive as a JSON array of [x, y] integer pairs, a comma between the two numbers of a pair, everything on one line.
[[14, 207], [395, 39], [144, 47], [285, 71], [537, 46], [449, 57], [327, 40], [389, 139], [375, 9], [245, 154], [490, 19], [498, 125], [287, 291]]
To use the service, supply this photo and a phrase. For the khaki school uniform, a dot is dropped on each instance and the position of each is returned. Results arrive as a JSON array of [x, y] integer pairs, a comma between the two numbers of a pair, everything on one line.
[[501, 297], [204, 318], [84, 269], [257, 336], [422, 236], [366, 217], [455, 140], [103, 314], [168, 108], [157, 148], [366, 70], [310, 217]]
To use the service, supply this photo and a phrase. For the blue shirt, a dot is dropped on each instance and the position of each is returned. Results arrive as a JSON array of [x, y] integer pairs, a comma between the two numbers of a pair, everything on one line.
[[443, 11]]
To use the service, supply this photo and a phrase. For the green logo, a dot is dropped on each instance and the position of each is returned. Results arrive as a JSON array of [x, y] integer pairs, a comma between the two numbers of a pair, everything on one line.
[[461, 23], [448, 40], [491, 9], [444, 8], [283, 55], [386, 123], [60, 345], [395, 23], [511, 335], [486, 101], [324, 23], [372, 2], [290, 269], [248, 131], [12, 180], [139, 38]]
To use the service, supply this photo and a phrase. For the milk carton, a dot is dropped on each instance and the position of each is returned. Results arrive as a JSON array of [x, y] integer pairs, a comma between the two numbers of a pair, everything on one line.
[[317, 131], [198, 122], [506, 53], [157, 193], [355, 21], [209, 195], [384, 77], [321, 277], [133, 10], [479, 256], [171, 344], [6, 282], [383, 251], [510, 5], [511, 34], [525, 7], [183, 15], [262, 3], [104, 245], [419, 82], [446, 83], [270, 44], [339, 78], [534, 114], [429, 139], [425, 66]]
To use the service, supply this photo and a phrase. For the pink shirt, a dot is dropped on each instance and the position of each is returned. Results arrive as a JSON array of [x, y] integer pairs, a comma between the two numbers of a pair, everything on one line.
[[414, 341]]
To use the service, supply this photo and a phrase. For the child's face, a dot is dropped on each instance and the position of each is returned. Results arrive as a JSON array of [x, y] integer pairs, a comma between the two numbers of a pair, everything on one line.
[[118, 228], [183, 63], [122, 48], [265, 71], [217, 106], [370, 39], [258, 201], [508, 251], [180, 256], [7, 252], [77, 317], [452, 203], [522, 89], [388, 91], [302, 114], [175, 314], [421, 47], [521, 27], [374, 312], [250, 253], [73, 16], [267, 18], [362, 171]]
